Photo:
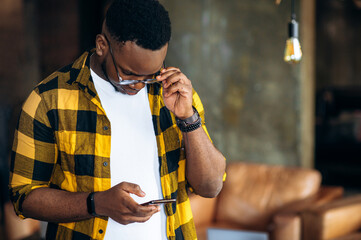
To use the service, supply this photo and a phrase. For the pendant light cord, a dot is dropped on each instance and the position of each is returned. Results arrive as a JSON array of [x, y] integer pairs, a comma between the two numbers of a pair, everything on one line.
[[293, 14]]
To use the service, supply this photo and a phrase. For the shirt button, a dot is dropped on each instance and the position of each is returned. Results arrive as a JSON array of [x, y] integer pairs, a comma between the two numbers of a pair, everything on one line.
[[105, 128], [105, 164], [100, 231]]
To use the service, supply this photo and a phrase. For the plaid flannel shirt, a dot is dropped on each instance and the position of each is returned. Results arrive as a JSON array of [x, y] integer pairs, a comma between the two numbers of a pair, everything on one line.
[[62, 141]]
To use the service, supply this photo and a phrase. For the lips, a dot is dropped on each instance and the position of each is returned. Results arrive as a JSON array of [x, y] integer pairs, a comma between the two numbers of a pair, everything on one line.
[[131, 91]]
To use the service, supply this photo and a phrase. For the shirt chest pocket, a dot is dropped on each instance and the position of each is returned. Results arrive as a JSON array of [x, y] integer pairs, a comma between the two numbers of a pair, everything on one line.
[[76, 143]]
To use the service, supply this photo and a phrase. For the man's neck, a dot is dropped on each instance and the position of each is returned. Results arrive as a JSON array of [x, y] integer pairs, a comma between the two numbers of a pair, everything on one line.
[[96, 66]]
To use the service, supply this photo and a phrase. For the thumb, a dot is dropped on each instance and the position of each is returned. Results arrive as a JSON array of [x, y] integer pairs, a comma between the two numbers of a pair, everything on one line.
[[133, 188]]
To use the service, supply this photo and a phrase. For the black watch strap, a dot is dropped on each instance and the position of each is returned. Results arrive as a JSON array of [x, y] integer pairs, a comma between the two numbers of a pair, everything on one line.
[[91, 205], [190, 124]]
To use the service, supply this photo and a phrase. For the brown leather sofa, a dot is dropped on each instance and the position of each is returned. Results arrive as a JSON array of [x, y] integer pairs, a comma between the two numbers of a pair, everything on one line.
[[286, 202]]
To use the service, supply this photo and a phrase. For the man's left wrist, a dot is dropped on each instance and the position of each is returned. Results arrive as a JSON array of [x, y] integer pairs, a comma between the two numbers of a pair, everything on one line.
[[91, 204], [187, 115], [191, 123]]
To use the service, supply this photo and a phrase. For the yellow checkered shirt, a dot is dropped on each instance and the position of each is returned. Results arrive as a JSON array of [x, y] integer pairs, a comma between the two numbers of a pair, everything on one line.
[[62, 141]]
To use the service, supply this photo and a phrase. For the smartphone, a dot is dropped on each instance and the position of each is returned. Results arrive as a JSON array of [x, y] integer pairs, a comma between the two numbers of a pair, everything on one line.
[[159, 201]]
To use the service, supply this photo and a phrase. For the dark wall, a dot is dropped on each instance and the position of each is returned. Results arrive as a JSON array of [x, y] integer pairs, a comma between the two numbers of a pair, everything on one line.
[[36, 38], [338, 111], [58, 33], [233, 52], [338, 44], [16, 63]]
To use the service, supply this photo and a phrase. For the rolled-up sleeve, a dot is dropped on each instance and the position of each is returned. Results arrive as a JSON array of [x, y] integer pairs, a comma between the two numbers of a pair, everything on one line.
[[34, 151]]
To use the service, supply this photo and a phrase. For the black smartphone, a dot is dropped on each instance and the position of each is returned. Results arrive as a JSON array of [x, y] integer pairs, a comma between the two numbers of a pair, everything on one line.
[[159, 201]]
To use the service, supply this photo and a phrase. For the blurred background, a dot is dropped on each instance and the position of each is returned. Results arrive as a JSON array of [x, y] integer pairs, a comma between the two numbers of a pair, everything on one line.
[[258, 108]]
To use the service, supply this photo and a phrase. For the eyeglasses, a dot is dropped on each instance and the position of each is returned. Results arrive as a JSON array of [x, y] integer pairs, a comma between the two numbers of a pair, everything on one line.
[[128, 82]]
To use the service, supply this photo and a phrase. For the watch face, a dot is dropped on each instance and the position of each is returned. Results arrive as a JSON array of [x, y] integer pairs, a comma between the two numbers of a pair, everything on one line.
[[188, 127], [191, 123]]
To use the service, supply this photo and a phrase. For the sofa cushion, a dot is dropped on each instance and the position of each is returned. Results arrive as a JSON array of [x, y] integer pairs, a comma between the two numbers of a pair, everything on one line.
[[253, 192]]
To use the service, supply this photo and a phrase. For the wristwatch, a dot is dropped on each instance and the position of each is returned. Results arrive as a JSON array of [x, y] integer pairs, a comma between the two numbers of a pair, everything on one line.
[[190, 124], [91, 205]]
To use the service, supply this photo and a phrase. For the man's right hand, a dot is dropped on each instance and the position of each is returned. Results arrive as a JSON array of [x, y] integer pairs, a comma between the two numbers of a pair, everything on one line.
[[117, 204]]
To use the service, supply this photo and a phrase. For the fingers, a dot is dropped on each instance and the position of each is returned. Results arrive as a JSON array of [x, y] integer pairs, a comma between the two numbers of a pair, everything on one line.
[[130, 210], [129, 202], [134, 212], [165, 73], [139, 217], [176, 82], [170, 69], [177, 92], [121, 207], [137, 209], [132, 188], [172, 75], [142, 211], [177, 87]]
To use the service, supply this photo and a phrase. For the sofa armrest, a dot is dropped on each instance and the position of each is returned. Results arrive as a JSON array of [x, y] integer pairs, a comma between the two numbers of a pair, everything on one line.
[[286, 223], [327, 194], [285, 226], [323, 196], [203, 209], [333, 219]]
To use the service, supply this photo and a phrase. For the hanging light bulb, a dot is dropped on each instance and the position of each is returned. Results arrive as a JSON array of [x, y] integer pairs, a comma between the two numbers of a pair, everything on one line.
[[293, 53]]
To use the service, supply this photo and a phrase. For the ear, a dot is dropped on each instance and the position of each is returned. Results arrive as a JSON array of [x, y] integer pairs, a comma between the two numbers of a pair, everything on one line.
[[101, 45]]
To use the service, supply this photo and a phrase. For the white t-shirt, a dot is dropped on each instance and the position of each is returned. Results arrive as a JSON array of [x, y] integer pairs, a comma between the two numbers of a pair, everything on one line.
[[133, 156]]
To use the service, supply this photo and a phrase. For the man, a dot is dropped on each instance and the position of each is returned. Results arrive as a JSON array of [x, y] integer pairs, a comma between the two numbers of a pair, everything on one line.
[[111, 131]]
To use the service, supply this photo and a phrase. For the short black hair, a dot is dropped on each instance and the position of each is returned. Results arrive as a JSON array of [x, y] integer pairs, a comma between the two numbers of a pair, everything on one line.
[[145, 22]]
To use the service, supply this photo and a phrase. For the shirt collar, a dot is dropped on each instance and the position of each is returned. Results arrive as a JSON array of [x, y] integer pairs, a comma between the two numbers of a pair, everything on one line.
[[80, 73]]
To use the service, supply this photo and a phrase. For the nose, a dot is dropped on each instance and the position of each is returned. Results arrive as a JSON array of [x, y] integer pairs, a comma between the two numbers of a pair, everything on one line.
[[137, 86]]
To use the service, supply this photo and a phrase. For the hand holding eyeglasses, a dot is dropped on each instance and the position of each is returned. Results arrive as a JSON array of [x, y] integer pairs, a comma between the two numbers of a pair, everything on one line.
[[177, 92]]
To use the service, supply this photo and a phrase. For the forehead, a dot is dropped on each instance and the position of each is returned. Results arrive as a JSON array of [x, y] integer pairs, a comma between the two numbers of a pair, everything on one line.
[[136, 59]]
